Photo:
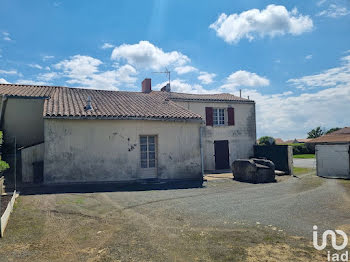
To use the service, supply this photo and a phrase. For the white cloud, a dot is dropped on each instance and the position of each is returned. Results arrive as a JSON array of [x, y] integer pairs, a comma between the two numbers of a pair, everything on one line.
[[273, 20], [146, 55], [125, 74], [308, 57], [180, 86], [206, 78], [47, 57], [36, 66], [180, 70], [3, 81], [47, 77], [243, 78], [321, 2], [79, 66], [84, 71], [8, 72], [31, 82], [107, 46], [334, 11], [332, 77], [282, 115], [287, 116], [6, 36]]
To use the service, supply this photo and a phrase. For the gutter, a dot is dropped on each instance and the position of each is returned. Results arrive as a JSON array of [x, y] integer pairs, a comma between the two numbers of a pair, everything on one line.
[[212, 101], [198, 120], [28, 97]]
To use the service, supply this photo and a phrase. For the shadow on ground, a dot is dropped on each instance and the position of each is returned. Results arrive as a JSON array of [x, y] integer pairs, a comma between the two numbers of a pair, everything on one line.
[[108, 187]]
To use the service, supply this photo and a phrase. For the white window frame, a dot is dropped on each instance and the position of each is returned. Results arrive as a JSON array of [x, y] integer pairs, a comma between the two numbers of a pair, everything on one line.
[[219, 116], [150, 150]]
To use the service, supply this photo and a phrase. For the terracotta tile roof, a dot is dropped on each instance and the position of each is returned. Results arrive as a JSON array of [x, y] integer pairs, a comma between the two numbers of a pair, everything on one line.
[[70, 102], [279, 141], [26, 90], [202, 97], [340, 136], [304, 140]]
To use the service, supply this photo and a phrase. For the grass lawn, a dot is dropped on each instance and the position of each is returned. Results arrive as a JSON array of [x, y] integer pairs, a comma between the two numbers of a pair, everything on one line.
[[301, 170], [304, 156]]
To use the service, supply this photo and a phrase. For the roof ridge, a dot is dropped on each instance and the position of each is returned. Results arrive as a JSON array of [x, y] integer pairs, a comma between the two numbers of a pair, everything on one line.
[[123, 91], [10, 84]]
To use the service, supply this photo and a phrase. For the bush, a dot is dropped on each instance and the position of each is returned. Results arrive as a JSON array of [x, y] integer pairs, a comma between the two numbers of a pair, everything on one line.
[[3, 166], [299, 149], [267, 141]]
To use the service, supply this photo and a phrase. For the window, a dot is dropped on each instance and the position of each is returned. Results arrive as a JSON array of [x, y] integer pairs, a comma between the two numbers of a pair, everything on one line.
[[148, 151], [219, 116]]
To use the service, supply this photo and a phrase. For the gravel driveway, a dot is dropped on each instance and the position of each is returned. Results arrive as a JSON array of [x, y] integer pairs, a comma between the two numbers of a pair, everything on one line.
[[223, 221], [294, 205]]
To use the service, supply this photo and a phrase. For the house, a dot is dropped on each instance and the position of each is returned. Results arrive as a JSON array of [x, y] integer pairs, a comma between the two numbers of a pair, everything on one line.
[[333, 154], [298, 141], [279, 141], [83, 135]]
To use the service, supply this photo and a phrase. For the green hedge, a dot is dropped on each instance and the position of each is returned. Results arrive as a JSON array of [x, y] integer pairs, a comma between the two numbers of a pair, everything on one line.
[[301, 148]]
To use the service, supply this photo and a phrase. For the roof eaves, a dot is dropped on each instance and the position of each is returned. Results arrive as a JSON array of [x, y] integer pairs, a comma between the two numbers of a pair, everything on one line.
[[26, 97], [212, 100], [87, 117]]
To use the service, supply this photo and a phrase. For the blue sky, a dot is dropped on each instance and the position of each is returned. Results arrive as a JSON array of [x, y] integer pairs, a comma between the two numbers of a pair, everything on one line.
[[291, 57]]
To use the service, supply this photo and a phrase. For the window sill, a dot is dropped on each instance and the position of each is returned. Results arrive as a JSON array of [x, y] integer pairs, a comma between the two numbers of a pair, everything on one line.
[[220, 126]]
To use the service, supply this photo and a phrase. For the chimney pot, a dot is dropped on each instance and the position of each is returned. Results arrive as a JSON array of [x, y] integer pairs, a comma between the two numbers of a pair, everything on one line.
[[166, 88], [146, 85], [88, 104]]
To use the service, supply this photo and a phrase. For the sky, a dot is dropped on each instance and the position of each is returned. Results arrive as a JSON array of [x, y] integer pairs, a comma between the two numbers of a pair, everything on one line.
[[291, 57]]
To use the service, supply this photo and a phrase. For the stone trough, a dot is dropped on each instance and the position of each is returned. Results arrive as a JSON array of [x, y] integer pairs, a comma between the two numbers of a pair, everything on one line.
[[253, 170]]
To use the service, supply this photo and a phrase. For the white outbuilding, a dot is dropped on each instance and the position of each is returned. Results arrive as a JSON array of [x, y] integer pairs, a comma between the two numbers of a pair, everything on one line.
[[333, 154]]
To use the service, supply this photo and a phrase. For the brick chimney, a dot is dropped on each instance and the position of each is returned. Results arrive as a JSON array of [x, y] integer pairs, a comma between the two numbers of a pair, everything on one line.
[[146, 85]]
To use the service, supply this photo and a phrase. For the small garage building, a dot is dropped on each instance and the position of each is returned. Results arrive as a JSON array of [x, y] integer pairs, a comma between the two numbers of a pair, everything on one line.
[[333, 154]]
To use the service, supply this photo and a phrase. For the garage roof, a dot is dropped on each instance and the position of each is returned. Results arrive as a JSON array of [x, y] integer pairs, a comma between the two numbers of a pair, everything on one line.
[[340, 136]]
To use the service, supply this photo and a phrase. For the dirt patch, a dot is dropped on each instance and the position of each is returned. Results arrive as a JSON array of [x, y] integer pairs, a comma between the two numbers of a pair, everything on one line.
[[210, 177], [346, 185], [4, 202], [308, 182], [283, 178], [282, 252]]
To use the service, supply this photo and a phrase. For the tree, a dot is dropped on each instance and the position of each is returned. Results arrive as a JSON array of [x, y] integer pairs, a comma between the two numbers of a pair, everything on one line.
[[332, 130], [314, 133], [267, 141]]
